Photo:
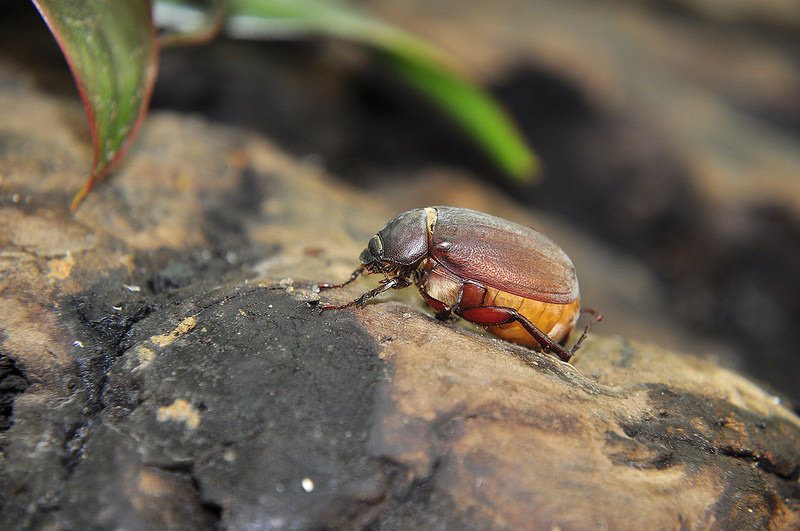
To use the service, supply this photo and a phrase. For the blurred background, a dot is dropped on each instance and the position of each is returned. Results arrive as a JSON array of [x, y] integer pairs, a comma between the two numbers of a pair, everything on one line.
[[668, 132]]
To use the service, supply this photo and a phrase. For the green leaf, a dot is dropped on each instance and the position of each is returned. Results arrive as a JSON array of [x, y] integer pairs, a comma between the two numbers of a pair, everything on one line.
[[422, 65], [475, 111], [111, 47]]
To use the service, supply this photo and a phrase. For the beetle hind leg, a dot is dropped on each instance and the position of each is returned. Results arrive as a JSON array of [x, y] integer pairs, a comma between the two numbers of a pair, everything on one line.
[[500, 315], [596, 319]]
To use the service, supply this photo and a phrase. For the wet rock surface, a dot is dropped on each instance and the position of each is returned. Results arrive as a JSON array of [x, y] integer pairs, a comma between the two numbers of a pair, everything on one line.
[[164, 364]]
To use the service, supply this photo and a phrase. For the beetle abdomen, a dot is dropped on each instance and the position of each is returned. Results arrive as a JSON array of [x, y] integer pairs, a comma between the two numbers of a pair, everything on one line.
[[442, 290], [555, 320]]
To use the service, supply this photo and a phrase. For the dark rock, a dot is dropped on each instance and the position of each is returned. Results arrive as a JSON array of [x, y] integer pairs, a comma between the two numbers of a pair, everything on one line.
[[259, 409]]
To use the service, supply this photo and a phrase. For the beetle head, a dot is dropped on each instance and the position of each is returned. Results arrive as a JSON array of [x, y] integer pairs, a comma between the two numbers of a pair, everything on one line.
[[373, 252], [400, 245]]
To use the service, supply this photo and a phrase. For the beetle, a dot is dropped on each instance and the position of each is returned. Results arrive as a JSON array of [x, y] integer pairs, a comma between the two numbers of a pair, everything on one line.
[[510, 279]]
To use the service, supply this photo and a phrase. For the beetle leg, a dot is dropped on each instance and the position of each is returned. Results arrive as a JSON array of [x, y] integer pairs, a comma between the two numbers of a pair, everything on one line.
[[597, 318], [354, 275], [470, 295], [386, 285], [500, 315], [443, 312]]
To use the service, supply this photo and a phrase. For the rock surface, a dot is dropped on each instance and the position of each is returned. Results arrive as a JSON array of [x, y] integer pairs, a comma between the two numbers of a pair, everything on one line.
[[164, 365]]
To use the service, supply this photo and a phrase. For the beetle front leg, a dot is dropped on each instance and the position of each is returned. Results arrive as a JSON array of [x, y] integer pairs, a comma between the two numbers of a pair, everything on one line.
[[500, 315], [386, 285], [354, 275]]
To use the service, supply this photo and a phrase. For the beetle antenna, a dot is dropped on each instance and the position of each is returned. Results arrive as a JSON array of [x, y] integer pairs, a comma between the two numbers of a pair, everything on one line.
[[354, 275], [597, 318]]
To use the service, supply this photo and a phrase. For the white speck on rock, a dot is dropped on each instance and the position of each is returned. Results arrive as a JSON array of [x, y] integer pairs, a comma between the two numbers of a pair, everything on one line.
[[307, 484]]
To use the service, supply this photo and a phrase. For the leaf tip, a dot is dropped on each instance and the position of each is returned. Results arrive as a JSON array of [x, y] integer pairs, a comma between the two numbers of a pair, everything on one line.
[[530, 168], [82, 193]]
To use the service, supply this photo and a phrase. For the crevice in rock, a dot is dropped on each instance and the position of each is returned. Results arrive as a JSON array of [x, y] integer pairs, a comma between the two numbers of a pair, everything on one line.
[[12, 383], [212, 509], [789, 472], [110, 333]]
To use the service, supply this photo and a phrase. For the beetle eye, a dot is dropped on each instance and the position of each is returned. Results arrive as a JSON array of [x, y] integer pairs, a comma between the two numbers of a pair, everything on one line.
[[376, 248], [365, 257], [373, 252]]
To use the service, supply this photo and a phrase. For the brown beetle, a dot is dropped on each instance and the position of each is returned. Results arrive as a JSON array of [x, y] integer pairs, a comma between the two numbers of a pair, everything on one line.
[[510, 279]]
